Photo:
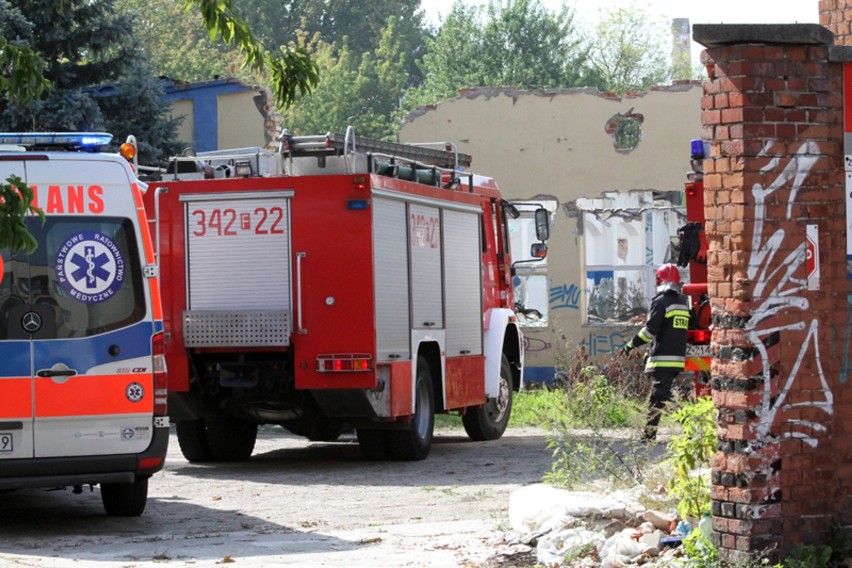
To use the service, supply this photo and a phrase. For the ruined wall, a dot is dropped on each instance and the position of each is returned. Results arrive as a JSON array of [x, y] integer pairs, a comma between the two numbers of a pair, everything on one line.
[[560, 145], [773, 113]]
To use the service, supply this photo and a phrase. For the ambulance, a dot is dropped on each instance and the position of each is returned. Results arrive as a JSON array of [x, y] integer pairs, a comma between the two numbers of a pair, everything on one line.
[[82, 370]]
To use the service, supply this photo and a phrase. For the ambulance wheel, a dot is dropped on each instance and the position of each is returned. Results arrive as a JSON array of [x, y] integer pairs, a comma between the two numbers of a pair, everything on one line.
[[373, 444], [125, 499], [230, 439], [414, 442], [192, 439], [489, 421]]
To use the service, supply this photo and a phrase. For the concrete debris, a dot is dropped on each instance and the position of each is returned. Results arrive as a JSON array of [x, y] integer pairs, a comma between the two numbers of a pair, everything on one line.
[[581, 528]]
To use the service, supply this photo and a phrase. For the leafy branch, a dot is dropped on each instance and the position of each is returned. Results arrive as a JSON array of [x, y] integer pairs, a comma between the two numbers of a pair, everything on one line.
[[291, 70], [21, 72], [16, 202]]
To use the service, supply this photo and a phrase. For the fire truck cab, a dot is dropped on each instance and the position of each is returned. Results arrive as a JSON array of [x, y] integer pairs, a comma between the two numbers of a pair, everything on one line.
[[82, 382], [341, 282]]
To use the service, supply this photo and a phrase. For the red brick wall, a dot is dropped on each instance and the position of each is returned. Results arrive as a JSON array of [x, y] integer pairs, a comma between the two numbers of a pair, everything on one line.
[[783, 472], [833, 14]]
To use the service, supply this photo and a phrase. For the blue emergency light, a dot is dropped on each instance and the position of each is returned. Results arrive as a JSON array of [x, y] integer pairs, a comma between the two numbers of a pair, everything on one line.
[[67, 140], [696, 149]]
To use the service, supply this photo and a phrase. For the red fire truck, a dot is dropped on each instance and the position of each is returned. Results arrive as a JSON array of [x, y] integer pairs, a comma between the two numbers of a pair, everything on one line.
[[338, 283], [693, 253]]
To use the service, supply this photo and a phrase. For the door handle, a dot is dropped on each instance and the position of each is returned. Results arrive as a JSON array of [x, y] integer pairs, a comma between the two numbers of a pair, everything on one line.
[[58, 370]]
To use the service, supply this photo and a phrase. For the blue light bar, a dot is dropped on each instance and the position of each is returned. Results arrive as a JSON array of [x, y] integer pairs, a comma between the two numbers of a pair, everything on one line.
[[68, 140], [357, 204]]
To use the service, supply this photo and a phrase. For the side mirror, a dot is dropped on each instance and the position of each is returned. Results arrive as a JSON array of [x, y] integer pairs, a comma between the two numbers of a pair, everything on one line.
[[542, 226], [538, 250], [511, 210]]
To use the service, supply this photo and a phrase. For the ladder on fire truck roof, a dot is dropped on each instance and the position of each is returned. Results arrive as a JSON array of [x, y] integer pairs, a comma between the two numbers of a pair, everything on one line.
[[335, 144]]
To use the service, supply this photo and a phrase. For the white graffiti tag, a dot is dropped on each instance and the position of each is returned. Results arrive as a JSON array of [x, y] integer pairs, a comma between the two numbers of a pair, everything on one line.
[[777, 290]]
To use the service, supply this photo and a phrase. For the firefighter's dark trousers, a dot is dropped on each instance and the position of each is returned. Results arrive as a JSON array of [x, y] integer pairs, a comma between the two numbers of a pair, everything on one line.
[[661, 393]]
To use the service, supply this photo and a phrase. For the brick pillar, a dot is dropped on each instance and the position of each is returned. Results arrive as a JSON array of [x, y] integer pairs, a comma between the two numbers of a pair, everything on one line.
[[834, 16], [772, 111]]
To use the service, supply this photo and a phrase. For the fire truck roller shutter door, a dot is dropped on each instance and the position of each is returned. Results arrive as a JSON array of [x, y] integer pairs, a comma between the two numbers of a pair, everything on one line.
[[390, 253]]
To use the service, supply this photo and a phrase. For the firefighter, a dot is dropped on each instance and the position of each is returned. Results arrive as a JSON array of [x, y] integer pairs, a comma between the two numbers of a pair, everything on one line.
[[665, 329]]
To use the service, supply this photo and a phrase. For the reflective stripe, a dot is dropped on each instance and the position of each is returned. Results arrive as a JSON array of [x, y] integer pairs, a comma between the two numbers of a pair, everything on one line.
[[646, 335], [17, 399], [670, 358], [676, 307], [92, 395], [697, 364], [665, 362], [664, 365], [675, 313]]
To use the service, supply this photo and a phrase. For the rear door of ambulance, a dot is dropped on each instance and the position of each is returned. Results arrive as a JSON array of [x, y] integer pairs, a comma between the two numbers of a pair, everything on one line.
[[75, 319]]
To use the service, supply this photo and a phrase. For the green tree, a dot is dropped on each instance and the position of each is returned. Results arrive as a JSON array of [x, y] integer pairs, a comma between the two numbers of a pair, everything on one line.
[[630, 50], [359, 22], [177, 43], [87, 52], [21, 69], [150, 122], [515, 43], [291, 71], [361, 91]]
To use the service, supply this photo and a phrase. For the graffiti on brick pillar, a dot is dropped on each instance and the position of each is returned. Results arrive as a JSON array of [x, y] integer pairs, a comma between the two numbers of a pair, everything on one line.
[[780, 288]]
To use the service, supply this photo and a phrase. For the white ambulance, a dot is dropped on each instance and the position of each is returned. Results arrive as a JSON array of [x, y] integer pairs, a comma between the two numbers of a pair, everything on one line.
[[82, 373]]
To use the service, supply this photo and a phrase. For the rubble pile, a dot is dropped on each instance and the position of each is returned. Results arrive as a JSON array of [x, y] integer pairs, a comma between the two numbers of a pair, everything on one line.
[[590, 529]]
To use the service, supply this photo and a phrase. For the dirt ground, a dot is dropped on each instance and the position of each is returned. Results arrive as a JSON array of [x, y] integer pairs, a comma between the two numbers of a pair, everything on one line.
[[294, 503]]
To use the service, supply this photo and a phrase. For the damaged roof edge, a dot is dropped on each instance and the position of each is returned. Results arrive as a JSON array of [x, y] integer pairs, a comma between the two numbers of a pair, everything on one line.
[[718, 35], [471, 93]]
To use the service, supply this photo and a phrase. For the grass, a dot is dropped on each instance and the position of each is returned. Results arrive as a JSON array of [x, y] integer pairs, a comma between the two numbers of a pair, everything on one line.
[[528, 408]]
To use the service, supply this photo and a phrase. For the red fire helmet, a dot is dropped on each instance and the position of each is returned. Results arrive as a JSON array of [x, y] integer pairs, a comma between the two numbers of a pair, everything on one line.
[[668, 274]]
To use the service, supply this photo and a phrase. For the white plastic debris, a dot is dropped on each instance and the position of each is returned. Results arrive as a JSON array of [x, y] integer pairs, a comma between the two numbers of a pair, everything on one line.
[[533, 507], [553, 547]]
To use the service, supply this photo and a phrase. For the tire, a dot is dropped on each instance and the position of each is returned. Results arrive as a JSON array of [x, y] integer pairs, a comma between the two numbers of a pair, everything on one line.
[[414, 442], [125, 499], [192, 439], [373, 444], [489, 421], [230, 439]]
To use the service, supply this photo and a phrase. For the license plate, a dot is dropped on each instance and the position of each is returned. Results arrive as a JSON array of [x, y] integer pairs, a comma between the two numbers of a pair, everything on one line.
[[698, 351], [6, 442]]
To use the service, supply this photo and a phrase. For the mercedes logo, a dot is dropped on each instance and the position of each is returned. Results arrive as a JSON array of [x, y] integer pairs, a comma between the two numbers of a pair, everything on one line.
[[31, 322]]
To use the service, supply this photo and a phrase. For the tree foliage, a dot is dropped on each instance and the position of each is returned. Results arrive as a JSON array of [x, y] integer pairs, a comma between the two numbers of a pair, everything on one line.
[[291, 71], [630, 51], [16, 202], [358, 24], [177, 43], [87, 53], [361, 91], [516, 43]]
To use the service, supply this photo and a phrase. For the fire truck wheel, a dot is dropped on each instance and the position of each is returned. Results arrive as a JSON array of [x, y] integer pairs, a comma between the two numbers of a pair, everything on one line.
[[125, 499], [414, 442], [373, 444], [192, 439], [489, 421], [230, 439]]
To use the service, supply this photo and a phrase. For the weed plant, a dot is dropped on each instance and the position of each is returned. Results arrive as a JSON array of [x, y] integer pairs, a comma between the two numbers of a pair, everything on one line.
[[598, 434]]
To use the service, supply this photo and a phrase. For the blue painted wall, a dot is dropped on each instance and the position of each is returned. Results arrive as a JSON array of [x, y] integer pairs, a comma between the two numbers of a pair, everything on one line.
[[205, 101]]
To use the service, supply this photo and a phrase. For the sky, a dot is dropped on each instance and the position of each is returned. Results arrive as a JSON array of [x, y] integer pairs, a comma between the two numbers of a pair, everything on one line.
[[697, 11]]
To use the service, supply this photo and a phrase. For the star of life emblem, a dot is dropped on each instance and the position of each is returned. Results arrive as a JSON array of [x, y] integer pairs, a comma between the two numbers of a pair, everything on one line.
[[135, 392], [90, 267]]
